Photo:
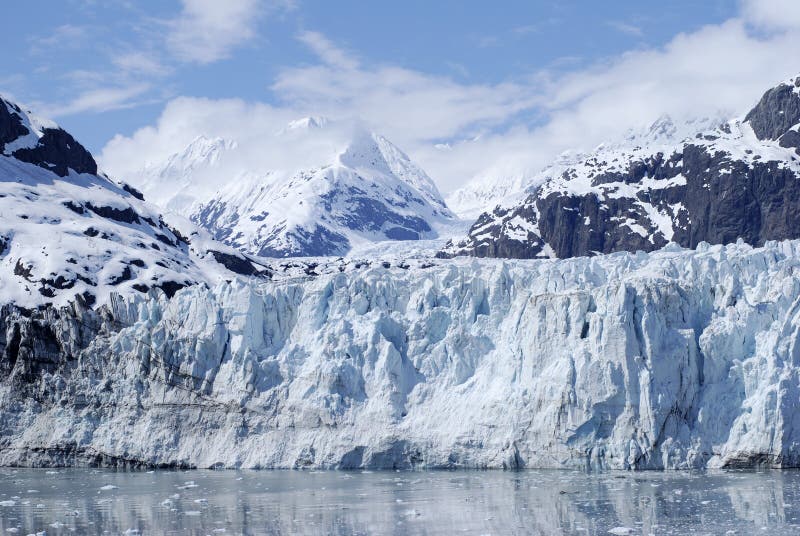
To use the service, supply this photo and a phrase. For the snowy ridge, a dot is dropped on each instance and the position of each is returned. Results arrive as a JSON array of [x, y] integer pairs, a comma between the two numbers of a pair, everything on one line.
[[663, 135], [168, 180], [735, 180], [30, 122], [68, 234], [352, 187], [675, 359]]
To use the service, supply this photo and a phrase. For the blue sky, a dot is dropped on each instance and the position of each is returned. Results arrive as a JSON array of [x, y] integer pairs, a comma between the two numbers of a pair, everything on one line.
[[51, 42], [454, 71]]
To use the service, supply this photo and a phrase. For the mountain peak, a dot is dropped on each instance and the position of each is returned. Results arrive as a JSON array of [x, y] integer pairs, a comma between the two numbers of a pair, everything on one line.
[[201, 150], [43, 143], [307, 123], [338, 184], [731, 180], [777, 114]]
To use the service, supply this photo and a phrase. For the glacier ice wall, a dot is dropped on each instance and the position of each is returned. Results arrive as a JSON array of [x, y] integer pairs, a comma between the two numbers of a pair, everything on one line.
[[675, 359]]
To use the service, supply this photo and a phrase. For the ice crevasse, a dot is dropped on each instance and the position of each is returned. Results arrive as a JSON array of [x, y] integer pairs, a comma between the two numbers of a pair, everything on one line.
[[674, 359]]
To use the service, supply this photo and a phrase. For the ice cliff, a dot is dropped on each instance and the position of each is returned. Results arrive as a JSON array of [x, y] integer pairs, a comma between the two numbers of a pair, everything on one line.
[[674, 359]]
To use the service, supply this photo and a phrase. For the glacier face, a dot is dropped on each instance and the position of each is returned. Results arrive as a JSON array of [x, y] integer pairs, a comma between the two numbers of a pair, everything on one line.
[[674, 359]]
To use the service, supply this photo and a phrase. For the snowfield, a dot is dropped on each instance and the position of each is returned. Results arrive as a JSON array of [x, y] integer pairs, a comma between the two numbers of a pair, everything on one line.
[[674, 359]]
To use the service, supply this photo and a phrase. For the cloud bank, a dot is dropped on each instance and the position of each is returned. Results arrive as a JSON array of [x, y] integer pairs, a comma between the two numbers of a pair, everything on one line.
[[461, 132]]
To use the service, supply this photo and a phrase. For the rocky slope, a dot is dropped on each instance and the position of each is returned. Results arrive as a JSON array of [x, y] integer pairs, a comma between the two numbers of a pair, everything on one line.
[[675, 359], [68, 232], [739, 180], [352, 187]]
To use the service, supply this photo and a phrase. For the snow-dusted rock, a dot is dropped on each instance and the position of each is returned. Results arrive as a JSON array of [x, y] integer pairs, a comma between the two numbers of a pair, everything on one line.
[[351, 187], [740, 179], [673, 359], [69, 232]]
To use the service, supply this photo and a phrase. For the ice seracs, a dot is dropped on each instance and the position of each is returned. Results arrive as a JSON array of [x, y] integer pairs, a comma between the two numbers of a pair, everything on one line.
[[674, 359]]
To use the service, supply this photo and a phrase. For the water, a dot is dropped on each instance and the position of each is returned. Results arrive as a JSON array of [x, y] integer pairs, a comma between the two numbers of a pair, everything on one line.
[[85, 501]]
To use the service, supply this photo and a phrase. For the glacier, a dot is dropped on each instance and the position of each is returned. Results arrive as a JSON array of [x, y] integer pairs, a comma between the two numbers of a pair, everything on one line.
[[675, 359]]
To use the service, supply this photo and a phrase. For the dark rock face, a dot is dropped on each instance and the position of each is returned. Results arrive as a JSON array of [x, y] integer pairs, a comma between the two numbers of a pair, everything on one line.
[[56, 150], [133, 191], [126, 215], [776, 113], [701, 192], [237, 264], [367, 214], [11, 126]]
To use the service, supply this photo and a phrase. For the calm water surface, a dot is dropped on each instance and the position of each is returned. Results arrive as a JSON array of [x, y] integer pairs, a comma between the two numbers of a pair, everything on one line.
[[85, 501]]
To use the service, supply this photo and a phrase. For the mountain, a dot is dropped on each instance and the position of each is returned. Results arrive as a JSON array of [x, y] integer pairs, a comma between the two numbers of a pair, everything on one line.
[[349, 187], [487, 191], [68, 232], [738, 180], [671, 360], [172, 179], [507, 190]]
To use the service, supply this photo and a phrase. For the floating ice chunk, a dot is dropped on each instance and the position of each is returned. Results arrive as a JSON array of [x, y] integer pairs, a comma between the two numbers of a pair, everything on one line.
[[621, 531]]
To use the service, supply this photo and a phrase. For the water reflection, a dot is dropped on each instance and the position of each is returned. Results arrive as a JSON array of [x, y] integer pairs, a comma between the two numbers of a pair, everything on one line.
[[284, 502]]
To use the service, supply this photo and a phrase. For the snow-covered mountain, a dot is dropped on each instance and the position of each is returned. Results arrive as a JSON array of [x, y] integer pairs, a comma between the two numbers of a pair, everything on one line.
[[489, 191], [738, 180], [68, 232], [352, 187]]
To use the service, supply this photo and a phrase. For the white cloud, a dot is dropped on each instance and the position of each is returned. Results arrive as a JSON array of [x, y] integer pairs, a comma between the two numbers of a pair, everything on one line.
[[139, 63], [626, 28], [66, 36], [772, 14], [327, 51], [208, 30], [508, 128], [184, 119], [97, 100], [406, 105]]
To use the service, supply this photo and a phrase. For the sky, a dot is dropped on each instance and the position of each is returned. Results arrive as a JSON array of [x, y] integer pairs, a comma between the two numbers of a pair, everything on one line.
[[473, 91]]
